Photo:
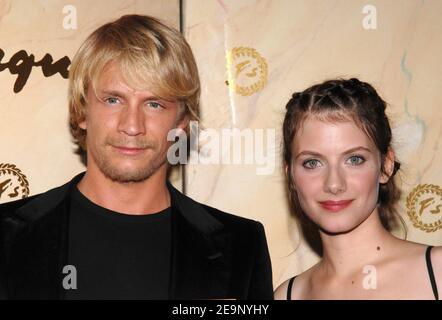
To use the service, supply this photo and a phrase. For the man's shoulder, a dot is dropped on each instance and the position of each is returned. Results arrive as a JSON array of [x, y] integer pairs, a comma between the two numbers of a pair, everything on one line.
[[228, 220], [33, 205], [12, 206]]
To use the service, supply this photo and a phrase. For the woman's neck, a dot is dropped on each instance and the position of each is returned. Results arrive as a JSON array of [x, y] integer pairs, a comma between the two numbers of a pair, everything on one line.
[[347, 253]]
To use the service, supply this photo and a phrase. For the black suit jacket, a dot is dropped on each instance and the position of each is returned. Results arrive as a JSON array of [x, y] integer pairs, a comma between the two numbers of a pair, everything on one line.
[[215, 255]]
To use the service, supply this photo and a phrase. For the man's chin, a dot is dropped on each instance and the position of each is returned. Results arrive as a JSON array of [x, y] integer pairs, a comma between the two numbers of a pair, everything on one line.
[[128, 175], [124, 170]]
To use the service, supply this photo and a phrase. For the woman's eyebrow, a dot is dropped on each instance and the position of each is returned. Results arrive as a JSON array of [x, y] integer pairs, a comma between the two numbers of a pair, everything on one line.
[[358, 148], [317, 154], [308, 153]]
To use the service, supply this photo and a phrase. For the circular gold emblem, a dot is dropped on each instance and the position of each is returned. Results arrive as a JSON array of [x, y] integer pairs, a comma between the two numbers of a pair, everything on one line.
[[13, 183], [247, 71], [424, 207]]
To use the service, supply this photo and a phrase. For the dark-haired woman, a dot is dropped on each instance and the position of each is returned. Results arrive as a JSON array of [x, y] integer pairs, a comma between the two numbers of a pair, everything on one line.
[[340, 169]]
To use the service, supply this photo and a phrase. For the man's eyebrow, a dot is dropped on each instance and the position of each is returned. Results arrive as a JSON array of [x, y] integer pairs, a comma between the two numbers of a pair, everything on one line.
[[120, 94], [317, 154], [114, 93]]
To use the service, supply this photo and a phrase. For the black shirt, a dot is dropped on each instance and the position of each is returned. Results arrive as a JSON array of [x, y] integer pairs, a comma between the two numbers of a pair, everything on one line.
[[118, 256]]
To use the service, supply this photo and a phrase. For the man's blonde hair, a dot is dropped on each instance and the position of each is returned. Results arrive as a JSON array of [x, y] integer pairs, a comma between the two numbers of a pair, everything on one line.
[[151, 56]]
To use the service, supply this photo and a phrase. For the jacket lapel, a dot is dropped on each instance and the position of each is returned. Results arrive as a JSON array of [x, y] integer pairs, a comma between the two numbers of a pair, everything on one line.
[[201, 255]]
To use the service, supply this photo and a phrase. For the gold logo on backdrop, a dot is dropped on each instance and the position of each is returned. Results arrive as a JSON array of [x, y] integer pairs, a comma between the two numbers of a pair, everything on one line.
[[247, 70], [424, 207], [13, 183]]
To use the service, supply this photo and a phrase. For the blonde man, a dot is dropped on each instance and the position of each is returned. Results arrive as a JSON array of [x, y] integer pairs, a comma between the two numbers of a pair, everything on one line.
[[120, 230]]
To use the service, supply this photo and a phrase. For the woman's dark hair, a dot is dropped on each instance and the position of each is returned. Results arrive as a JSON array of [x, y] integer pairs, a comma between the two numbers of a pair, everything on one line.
[[343, 100]]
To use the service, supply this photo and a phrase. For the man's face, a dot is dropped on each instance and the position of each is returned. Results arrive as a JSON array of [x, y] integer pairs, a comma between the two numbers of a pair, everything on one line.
[[127, 129]]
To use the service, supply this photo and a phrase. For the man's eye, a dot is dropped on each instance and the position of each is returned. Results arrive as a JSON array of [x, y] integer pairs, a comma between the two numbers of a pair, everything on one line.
[[311, 164], [154, 105], [355, 160], [112, 100]]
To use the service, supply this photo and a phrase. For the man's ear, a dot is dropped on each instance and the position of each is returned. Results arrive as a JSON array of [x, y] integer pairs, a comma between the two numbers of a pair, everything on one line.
[[183, 122], [388, 167], [82, 124]]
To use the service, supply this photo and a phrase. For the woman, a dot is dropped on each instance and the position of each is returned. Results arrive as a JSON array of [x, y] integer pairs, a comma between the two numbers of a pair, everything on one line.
[[340, 168]]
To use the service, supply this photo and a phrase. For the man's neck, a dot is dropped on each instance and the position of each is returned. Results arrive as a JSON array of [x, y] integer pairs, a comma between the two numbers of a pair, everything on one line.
[[146, 197]]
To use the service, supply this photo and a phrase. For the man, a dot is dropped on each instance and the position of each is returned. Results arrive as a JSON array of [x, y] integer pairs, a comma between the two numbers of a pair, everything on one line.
[[120, 230]]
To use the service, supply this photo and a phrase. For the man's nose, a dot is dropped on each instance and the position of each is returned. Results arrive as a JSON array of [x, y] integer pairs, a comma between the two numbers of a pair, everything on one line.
[[132, 121]]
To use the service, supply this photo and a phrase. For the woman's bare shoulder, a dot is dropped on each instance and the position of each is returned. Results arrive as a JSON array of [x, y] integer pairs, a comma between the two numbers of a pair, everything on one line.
[[406, 249], [436, 255], [436, 262], [281, 291]]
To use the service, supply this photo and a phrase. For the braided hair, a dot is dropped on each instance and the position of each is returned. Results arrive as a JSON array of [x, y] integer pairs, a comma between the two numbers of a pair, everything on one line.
[[344, 100]]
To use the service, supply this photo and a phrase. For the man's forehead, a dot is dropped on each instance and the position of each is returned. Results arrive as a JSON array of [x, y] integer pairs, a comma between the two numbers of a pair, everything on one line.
[[111, 79], [111, 76]]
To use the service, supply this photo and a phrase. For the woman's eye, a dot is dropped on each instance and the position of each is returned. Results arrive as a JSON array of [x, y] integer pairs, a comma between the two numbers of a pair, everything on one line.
[[112, 100], [154, 105], [355, 160], [311, 164]]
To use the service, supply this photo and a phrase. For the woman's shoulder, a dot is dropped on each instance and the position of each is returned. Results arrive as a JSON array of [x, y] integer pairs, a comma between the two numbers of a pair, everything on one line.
[[410, 254], [297, 283], [281, 291], [433, 263], [413, 250], [435, 258], [436, 254], [425, 260]]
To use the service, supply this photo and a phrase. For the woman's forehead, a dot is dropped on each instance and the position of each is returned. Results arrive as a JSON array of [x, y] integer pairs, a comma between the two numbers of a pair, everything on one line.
[[329, 134]]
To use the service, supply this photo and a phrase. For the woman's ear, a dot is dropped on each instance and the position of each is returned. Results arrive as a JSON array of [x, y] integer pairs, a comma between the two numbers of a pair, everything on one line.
[[388, 167], [286, 168]]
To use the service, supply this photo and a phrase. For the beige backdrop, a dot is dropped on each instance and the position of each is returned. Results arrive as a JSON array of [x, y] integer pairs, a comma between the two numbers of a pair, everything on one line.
[[286, 45], [252, 55]]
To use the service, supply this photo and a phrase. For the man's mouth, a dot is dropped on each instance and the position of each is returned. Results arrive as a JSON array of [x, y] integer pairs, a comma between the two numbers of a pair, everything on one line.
[[131, 151]]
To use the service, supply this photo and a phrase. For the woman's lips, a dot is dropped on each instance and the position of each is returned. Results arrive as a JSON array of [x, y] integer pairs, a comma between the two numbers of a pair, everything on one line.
[[335, 206]]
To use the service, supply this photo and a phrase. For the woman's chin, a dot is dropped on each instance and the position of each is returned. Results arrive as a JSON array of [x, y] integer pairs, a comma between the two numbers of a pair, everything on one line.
[[337, 229]]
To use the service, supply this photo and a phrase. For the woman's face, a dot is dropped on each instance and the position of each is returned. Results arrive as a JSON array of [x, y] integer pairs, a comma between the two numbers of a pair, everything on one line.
[[336, 172]]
